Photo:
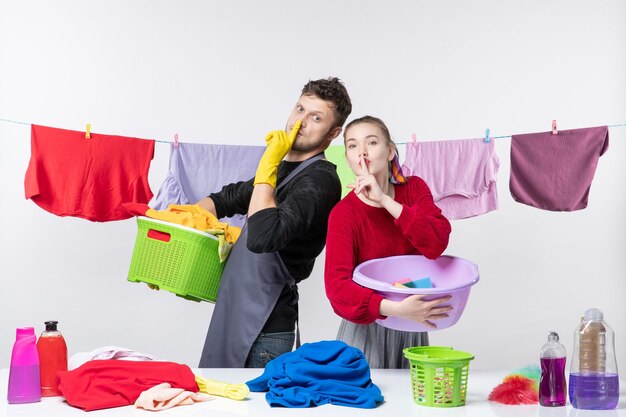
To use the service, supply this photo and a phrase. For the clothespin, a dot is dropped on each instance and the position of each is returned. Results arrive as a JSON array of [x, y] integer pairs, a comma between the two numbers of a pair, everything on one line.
[[554, 131], [414, 137], [176, 141], [88, 131], [487, 136]]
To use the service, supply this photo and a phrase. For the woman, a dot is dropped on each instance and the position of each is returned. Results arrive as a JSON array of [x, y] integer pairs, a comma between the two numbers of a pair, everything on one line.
[[386, 215]]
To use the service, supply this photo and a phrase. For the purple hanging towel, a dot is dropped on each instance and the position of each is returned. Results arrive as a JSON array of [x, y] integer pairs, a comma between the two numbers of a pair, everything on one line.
[[554, 172]]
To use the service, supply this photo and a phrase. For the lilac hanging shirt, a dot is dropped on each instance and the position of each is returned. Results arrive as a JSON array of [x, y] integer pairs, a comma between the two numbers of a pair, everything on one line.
[[197, 170]]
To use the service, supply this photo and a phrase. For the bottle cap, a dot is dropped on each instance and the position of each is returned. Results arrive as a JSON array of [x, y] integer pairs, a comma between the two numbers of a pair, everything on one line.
[[593, 314], [51, 326], [553, 337], [24, 331]]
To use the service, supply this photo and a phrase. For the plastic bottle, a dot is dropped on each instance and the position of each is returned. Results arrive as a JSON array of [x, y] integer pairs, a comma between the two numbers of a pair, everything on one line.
[[593, 381], [552, 385], [24, 383], [52, 358]]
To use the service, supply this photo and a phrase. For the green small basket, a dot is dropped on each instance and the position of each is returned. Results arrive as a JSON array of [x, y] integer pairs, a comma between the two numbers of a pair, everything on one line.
[[438, 375], [176, 258]]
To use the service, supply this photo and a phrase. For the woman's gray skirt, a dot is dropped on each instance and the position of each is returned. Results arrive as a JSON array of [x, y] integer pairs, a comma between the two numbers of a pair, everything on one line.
[[382, 346]]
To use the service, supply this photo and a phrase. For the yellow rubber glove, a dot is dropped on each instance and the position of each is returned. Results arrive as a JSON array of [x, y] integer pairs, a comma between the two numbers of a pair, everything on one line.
[[223, 389], [278, 145]]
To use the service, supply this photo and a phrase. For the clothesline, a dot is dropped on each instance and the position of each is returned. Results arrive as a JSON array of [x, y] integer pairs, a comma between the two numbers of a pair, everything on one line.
[[398, 143], [534, 163], [509, 136]]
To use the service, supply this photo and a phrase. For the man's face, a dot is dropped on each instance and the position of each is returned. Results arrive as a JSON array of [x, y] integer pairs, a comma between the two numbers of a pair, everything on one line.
[[317, 117]]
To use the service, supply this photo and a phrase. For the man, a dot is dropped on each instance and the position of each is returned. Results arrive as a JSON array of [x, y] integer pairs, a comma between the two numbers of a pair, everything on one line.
[[287, 204]]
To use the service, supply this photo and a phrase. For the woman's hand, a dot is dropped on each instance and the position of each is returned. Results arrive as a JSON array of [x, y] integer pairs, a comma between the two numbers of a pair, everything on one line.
[[370, 189], [415, 308], [367, 185]]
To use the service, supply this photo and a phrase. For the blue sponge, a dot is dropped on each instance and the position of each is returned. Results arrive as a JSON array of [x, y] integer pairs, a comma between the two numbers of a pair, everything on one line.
[[418, 283]]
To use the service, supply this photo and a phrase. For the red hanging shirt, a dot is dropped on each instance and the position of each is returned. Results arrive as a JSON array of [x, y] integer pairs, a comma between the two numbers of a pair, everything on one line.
[[69, 175]]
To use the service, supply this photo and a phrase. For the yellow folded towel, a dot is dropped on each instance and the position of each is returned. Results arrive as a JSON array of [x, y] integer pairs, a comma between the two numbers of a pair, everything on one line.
[[223, 389]]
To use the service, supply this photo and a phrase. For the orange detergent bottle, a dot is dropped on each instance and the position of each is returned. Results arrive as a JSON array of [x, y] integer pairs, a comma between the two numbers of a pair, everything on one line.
[[52, 358]]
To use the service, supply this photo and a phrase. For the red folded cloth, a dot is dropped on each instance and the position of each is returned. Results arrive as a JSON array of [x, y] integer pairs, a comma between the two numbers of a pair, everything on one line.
[[112, 383]]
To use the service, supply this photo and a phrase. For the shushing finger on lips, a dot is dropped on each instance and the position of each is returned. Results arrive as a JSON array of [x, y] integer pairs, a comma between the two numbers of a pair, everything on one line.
[[294, 130], [363, 163]]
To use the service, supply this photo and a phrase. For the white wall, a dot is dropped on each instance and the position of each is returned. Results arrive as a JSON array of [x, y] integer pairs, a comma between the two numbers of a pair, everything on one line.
[[228, 71]]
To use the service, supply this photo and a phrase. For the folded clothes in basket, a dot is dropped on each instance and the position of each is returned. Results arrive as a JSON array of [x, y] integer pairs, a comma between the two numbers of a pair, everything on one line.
[[194, 216]]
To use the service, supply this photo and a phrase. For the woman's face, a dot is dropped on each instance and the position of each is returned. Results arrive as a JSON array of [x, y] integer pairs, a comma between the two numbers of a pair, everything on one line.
[[367, 142]]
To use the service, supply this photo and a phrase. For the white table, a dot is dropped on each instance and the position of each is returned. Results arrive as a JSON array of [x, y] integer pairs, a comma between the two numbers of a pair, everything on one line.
[[394, 384]]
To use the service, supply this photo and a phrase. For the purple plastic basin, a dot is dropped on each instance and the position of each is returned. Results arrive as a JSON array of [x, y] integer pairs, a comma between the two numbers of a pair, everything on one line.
[[449, 275]]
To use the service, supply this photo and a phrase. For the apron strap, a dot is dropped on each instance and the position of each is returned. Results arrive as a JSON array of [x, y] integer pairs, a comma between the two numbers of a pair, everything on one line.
[[298, 343], [295, 296], [299, 169]]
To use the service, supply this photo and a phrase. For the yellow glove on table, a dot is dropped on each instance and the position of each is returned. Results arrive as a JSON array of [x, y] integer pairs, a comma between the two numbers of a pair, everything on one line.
[[278, 145], [223, 389]]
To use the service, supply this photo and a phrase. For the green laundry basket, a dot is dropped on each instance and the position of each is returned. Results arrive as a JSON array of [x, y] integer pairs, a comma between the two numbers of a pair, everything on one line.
[[438, 375], [176, 258]]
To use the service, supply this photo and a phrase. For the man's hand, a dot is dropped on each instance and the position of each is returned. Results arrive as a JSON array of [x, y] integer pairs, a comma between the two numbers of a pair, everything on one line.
[[278, 145]]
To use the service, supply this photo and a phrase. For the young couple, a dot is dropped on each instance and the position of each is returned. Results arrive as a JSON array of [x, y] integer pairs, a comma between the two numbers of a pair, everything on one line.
[[293, 209]]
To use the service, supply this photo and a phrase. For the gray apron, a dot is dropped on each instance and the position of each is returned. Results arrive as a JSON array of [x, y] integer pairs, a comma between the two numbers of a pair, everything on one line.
[[250, 287]]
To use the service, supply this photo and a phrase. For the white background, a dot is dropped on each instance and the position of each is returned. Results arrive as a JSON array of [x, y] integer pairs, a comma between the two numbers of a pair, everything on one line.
[[229, 71]]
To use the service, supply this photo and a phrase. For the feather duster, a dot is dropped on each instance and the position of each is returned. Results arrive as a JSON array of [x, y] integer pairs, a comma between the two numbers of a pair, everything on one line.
[[519, 387]]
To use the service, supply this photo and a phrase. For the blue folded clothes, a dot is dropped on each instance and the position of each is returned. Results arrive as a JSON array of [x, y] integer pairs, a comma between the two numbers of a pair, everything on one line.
[[326, 372]]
